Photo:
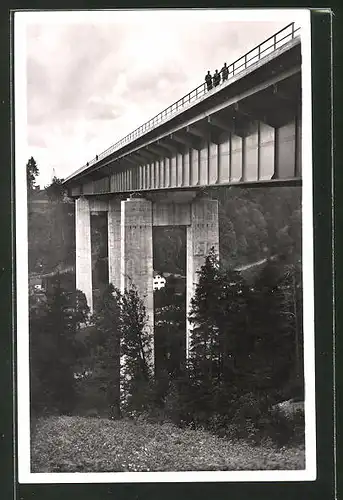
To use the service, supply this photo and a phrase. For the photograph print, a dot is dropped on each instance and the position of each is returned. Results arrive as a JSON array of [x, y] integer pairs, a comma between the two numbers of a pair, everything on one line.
[[164, 246]]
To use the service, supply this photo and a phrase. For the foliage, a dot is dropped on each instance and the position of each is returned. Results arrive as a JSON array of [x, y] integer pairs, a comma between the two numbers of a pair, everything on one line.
[[103, 361], [136, 352], [116, 374], [32, 172], [246, 345], [254, 419], [51, 235], [218, 315], [54, 349], [170, 333], [275, 335], [74, 444], [169, 249], [55, 191]]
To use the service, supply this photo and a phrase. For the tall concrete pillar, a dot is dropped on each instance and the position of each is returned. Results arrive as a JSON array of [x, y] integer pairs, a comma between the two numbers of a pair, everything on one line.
[[114, 242], [136, 254], [83, 249], [202, 235]]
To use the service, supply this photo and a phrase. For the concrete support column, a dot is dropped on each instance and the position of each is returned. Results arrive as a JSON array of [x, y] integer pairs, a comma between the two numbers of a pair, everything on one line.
[[83, 249], [114, 242], [136, 254], [202, 235]]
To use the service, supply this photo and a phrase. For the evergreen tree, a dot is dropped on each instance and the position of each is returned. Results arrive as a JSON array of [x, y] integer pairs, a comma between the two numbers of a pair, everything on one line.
[[32, 172], [274, 325], [136, 353], [218, 339], [204, 359], [170, 336], [105, 348], [54, 349], [204, 338], [55, 191], [231, 316]]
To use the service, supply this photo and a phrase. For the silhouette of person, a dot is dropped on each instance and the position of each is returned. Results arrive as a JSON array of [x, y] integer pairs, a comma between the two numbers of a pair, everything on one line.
[[208, 80], [216, 78], [225, 72]]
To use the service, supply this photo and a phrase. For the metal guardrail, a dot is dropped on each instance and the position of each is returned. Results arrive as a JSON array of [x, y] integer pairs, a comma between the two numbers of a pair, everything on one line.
[[262, 50]]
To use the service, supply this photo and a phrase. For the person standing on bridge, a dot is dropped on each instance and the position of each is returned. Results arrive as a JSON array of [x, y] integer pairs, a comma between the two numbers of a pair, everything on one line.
[[216, 78], [208, 81], [225, 72]]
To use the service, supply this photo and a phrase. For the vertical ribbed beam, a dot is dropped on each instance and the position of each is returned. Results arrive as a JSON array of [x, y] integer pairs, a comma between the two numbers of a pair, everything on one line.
[[179, 169], [236, 158], [266, 152], [251, 154], [213, 170], [152, 175], [140, 177], [203, 165], [298, 145], [161, 172], [173, 171], [83, 249], [186, 170], [195, 167], [276, 154], [157, 173], [167, 171]]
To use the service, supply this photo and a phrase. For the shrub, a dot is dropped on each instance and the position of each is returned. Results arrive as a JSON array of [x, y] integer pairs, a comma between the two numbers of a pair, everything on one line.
[[252, 418]]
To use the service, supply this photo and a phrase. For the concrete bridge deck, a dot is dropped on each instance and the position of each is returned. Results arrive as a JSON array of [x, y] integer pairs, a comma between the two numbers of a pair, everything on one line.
[[245, 130]]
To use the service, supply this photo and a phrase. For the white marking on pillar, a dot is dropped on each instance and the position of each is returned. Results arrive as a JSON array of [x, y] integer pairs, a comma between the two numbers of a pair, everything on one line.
[[202, 235], [136, 254], [83, 249], [114, 242]]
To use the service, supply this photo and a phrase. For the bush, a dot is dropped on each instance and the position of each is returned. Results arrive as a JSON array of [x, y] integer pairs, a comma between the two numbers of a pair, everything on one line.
[[286, 428], [253, 419]]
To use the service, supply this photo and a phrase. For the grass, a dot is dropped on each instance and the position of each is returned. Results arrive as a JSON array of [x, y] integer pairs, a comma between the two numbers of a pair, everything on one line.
[[85, 444]]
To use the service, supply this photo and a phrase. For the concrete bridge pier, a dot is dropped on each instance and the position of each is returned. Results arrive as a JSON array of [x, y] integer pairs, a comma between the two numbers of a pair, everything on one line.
[[114, 242], [202, 235], [130, 245], [83, 249], [137, 254]]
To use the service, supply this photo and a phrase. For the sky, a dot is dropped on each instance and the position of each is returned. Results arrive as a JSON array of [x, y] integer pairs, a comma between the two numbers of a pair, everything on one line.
[[92, 79]]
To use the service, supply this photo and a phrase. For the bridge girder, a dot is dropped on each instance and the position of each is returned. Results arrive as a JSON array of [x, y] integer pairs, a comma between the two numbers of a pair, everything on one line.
[[144, 155], [163, 142], [185, 137], [157, 150], [177, 137]]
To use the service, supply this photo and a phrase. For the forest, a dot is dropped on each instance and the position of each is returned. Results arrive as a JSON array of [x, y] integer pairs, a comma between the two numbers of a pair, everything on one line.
[[246, 350]]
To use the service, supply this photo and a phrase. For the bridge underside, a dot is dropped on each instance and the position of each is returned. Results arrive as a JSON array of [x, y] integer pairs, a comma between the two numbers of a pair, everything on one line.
[[246, 132], [130, 243]]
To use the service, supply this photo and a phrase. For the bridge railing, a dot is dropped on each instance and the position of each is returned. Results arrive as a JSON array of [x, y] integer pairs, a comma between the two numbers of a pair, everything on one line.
[[254, 55]]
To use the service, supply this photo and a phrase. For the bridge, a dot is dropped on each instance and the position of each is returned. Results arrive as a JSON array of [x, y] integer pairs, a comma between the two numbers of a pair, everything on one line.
[[245, 131]]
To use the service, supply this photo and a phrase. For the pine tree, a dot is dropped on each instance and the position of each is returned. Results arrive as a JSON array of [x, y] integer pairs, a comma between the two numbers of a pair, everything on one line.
[[231, 316], [32, 172], [55, 191], [54, 348], [105, 348], [205, 339], [219, 313], [274, 323], [136, 353]]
